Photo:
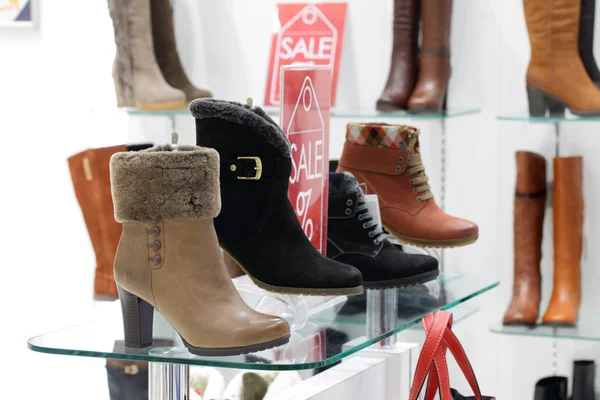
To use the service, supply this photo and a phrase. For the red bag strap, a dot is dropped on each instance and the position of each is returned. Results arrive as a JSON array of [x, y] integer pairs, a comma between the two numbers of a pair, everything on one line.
[[433, 341], [438, 372]]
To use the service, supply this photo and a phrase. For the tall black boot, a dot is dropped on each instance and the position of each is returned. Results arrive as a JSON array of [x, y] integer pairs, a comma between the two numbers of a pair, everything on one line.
[[257, 226], [355, 238], [551, 388], [584, 373], [586, 39]]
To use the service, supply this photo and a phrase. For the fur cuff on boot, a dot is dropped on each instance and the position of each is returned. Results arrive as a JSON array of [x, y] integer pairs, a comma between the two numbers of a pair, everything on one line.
[[243, 114], [167, 184]]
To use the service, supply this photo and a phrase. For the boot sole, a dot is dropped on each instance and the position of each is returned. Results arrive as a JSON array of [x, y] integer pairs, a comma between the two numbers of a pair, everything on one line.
[[169, 105], [138, 316], [351, 291], [388, 107], [402, 282], [520, 323], [559, 324], [431, 243], [234, 351]]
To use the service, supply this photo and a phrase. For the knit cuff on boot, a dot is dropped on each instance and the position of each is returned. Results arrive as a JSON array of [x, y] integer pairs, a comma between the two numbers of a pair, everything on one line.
[[378, 135], [166, 184]]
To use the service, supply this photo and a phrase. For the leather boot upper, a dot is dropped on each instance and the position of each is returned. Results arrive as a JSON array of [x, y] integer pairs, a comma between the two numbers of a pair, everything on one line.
[[529, 209], [396, 174]]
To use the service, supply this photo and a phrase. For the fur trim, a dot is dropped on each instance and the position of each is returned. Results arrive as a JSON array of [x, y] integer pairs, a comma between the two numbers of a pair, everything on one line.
[[162, 183], [239, 113]]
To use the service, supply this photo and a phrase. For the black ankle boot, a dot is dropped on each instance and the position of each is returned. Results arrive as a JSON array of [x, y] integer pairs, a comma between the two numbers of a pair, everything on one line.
[[355, 238], [551, 388], [257, 226], [584, 374]]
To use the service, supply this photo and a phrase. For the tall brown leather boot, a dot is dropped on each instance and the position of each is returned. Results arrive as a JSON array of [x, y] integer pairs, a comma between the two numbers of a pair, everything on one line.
[[169, 256], [136, 75], [386, 158], [91, 181], [568, 232], [556, 76], [403, 69], [530, 204], [165, 49], [430, 93]]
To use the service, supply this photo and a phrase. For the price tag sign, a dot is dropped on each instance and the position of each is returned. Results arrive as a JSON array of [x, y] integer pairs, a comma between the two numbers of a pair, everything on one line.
[[309, 35], [304, 113]]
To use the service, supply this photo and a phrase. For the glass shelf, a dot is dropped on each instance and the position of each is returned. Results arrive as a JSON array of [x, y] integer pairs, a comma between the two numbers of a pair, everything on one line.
[[525, 117], [335, 113], [318, 343], [587, 328]]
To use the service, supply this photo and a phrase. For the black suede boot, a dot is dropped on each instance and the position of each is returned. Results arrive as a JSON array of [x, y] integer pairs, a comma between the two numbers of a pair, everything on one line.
[[257, 226], [584, 375], [551, 388], [355, 238]]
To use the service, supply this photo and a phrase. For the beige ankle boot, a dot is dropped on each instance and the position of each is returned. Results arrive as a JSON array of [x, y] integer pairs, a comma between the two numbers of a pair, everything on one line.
[[137, 77], [169, 257]]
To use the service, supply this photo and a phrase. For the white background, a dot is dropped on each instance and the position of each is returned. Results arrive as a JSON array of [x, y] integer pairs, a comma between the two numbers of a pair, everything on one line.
[[57, 98]]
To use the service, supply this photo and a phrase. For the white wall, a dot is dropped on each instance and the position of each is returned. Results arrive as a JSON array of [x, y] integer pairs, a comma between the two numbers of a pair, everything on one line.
[[56, 98]]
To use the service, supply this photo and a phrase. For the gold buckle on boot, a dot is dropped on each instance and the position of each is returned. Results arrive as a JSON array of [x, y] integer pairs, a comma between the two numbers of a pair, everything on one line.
[[258, 169]]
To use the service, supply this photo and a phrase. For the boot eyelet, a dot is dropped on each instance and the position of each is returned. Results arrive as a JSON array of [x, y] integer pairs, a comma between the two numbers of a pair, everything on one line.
[[365, 225], [400, 159], [371, 233], [349, 202], [154, 231], [360, 217], [398, 168], [414, 190], [418, 198], [348, 211]]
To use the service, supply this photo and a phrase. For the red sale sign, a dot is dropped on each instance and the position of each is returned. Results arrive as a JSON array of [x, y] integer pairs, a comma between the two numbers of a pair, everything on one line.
[[310, 35], [304, 113]]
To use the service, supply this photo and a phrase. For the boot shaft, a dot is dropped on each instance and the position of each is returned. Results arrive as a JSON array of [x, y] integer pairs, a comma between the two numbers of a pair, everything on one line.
[[436, 17], [584, 376]]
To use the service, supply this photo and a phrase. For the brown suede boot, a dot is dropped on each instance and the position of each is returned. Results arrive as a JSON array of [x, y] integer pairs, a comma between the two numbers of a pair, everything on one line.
[[91, 181], [387, 160], [403, 69], [136, 75], [530, 204], [430, 92], [556, 76], [169, 256], [165, 49], [568, 232]]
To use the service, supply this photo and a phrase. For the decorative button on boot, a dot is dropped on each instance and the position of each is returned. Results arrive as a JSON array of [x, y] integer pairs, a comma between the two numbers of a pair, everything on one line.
[[257, 226], [386, 158], [530, 205], [356, 238], [184, 277]]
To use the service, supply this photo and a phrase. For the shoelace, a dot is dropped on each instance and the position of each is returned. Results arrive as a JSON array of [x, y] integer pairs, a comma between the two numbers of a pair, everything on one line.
[[375, 230], [415, 166]]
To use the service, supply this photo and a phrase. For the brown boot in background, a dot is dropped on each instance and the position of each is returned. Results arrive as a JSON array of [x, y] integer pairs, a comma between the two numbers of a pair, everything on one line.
[[530, 205], [403, 69], [431, 91], [387, 159], [136, 75], [568, 232], [91, 181], [165, 49], [556, 76]]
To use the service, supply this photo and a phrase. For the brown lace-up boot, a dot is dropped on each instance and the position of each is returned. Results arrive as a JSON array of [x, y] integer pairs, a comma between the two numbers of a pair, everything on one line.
[[403, 69], [386, 158], [530, 204], [568, 232]]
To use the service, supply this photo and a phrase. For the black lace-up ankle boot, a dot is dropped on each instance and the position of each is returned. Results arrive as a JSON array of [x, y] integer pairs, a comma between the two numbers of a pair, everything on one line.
[[354, 237]]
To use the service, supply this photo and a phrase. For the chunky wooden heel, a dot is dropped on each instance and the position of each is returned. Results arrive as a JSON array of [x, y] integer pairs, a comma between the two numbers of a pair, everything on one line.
[[137, 320], [540, 102]]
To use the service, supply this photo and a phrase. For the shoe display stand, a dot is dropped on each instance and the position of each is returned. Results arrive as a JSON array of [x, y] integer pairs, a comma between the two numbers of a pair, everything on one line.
[[354, 323]]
